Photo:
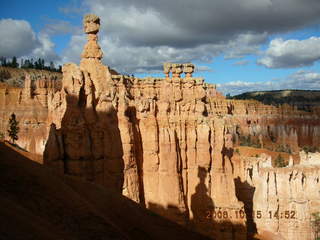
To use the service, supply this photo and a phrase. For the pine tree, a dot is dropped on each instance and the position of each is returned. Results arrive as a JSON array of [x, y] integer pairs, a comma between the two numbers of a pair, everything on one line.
[[4, 61], [42, 64], [14, 62], [21, 63], [52, 68], [13, 128]]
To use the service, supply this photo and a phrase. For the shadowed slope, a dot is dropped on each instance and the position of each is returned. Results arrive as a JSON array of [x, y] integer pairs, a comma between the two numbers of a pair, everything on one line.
[[38, 204]]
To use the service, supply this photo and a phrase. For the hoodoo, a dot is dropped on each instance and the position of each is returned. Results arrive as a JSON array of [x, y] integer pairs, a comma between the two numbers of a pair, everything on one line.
[[175, 145]]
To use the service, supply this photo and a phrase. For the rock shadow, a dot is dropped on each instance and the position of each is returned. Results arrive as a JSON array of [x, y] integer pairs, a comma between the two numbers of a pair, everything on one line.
[[227, 153], [204, 214], [88, 143], [131, 113], [201, 202], [244, 193]]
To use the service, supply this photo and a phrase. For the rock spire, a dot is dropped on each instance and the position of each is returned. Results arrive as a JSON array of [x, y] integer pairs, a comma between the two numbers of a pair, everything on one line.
[[91, 25]]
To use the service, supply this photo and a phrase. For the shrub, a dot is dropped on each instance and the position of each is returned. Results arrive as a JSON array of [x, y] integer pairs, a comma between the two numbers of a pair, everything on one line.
[[249, 142], [279, 161], [316, 224], [311, 149], [283, 148]]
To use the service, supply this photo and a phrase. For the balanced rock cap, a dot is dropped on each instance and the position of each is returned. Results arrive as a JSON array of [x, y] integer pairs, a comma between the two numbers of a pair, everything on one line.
[[91, 24]]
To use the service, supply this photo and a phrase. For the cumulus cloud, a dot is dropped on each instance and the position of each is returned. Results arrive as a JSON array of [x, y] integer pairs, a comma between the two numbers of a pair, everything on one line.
[[238, 87], [304, 80], [191, 22], [291, 53], [74, 49], [139, 36], [44, 49], [18, 39], [128, 58]]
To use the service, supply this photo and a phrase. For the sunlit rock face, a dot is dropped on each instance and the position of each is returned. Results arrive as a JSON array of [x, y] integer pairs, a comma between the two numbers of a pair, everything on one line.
[[30, 105], [170, 144], [284, 199]]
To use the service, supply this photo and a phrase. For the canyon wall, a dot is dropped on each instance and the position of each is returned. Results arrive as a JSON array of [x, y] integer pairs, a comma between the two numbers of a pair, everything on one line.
[[171, 145], [284, 199], [30, 105]]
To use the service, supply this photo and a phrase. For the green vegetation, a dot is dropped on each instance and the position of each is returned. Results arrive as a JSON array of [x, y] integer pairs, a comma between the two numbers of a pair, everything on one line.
[[249, 142], [228, 96], [311, 149], [29, 63], [283, 148], [4, 75], [316, 224], [13, 128], [279, 162]]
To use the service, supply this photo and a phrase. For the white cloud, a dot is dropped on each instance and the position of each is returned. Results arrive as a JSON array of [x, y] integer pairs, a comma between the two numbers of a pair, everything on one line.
[[238, 87], [245, 44], [189, 23], [304, 80], [140, 35], [291, 53], [44, 49], [73, 50], [128, 58], [18, 39]]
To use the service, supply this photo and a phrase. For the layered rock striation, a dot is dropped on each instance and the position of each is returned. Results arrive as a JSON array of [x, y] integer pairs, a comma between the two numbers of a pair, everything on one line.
[[30, 105], [168, 143], [284, 199]]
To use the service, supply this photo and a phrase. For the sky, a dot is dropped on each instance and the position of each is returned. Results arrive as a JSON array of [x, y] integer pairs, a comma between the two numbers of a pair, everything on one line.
[[240, 45]]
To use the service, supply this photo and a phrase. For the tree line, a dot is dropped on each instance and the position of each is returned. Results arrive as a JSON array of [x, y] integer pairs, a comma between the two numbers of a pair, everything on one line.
[[29, 63]]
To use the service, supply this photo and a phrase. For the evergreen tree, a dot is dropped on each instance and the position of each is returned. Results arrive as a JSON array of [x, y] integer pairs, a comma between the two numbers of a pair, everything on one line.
[[42, 63], [31, 63], [52, 68], [13, 128], [21, 63], [3, 61], [14, 62]]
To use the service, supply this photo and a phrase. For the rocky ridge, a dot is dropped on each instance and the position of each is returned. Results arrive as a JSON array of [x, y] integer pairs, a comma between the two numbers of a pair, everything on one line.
[[166, 143]]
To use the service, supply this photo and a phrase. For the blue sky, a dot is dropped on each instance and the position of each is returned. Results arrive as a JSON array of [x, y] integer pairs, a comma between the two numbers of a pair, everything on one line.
[[264, 45]]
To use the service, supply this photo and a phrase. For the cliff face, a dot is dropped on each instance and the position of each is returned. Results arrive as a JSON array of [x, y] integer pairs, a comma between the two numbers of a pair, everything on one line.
[[284, 199], [15, 76], [169, 144], [30, 105]]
